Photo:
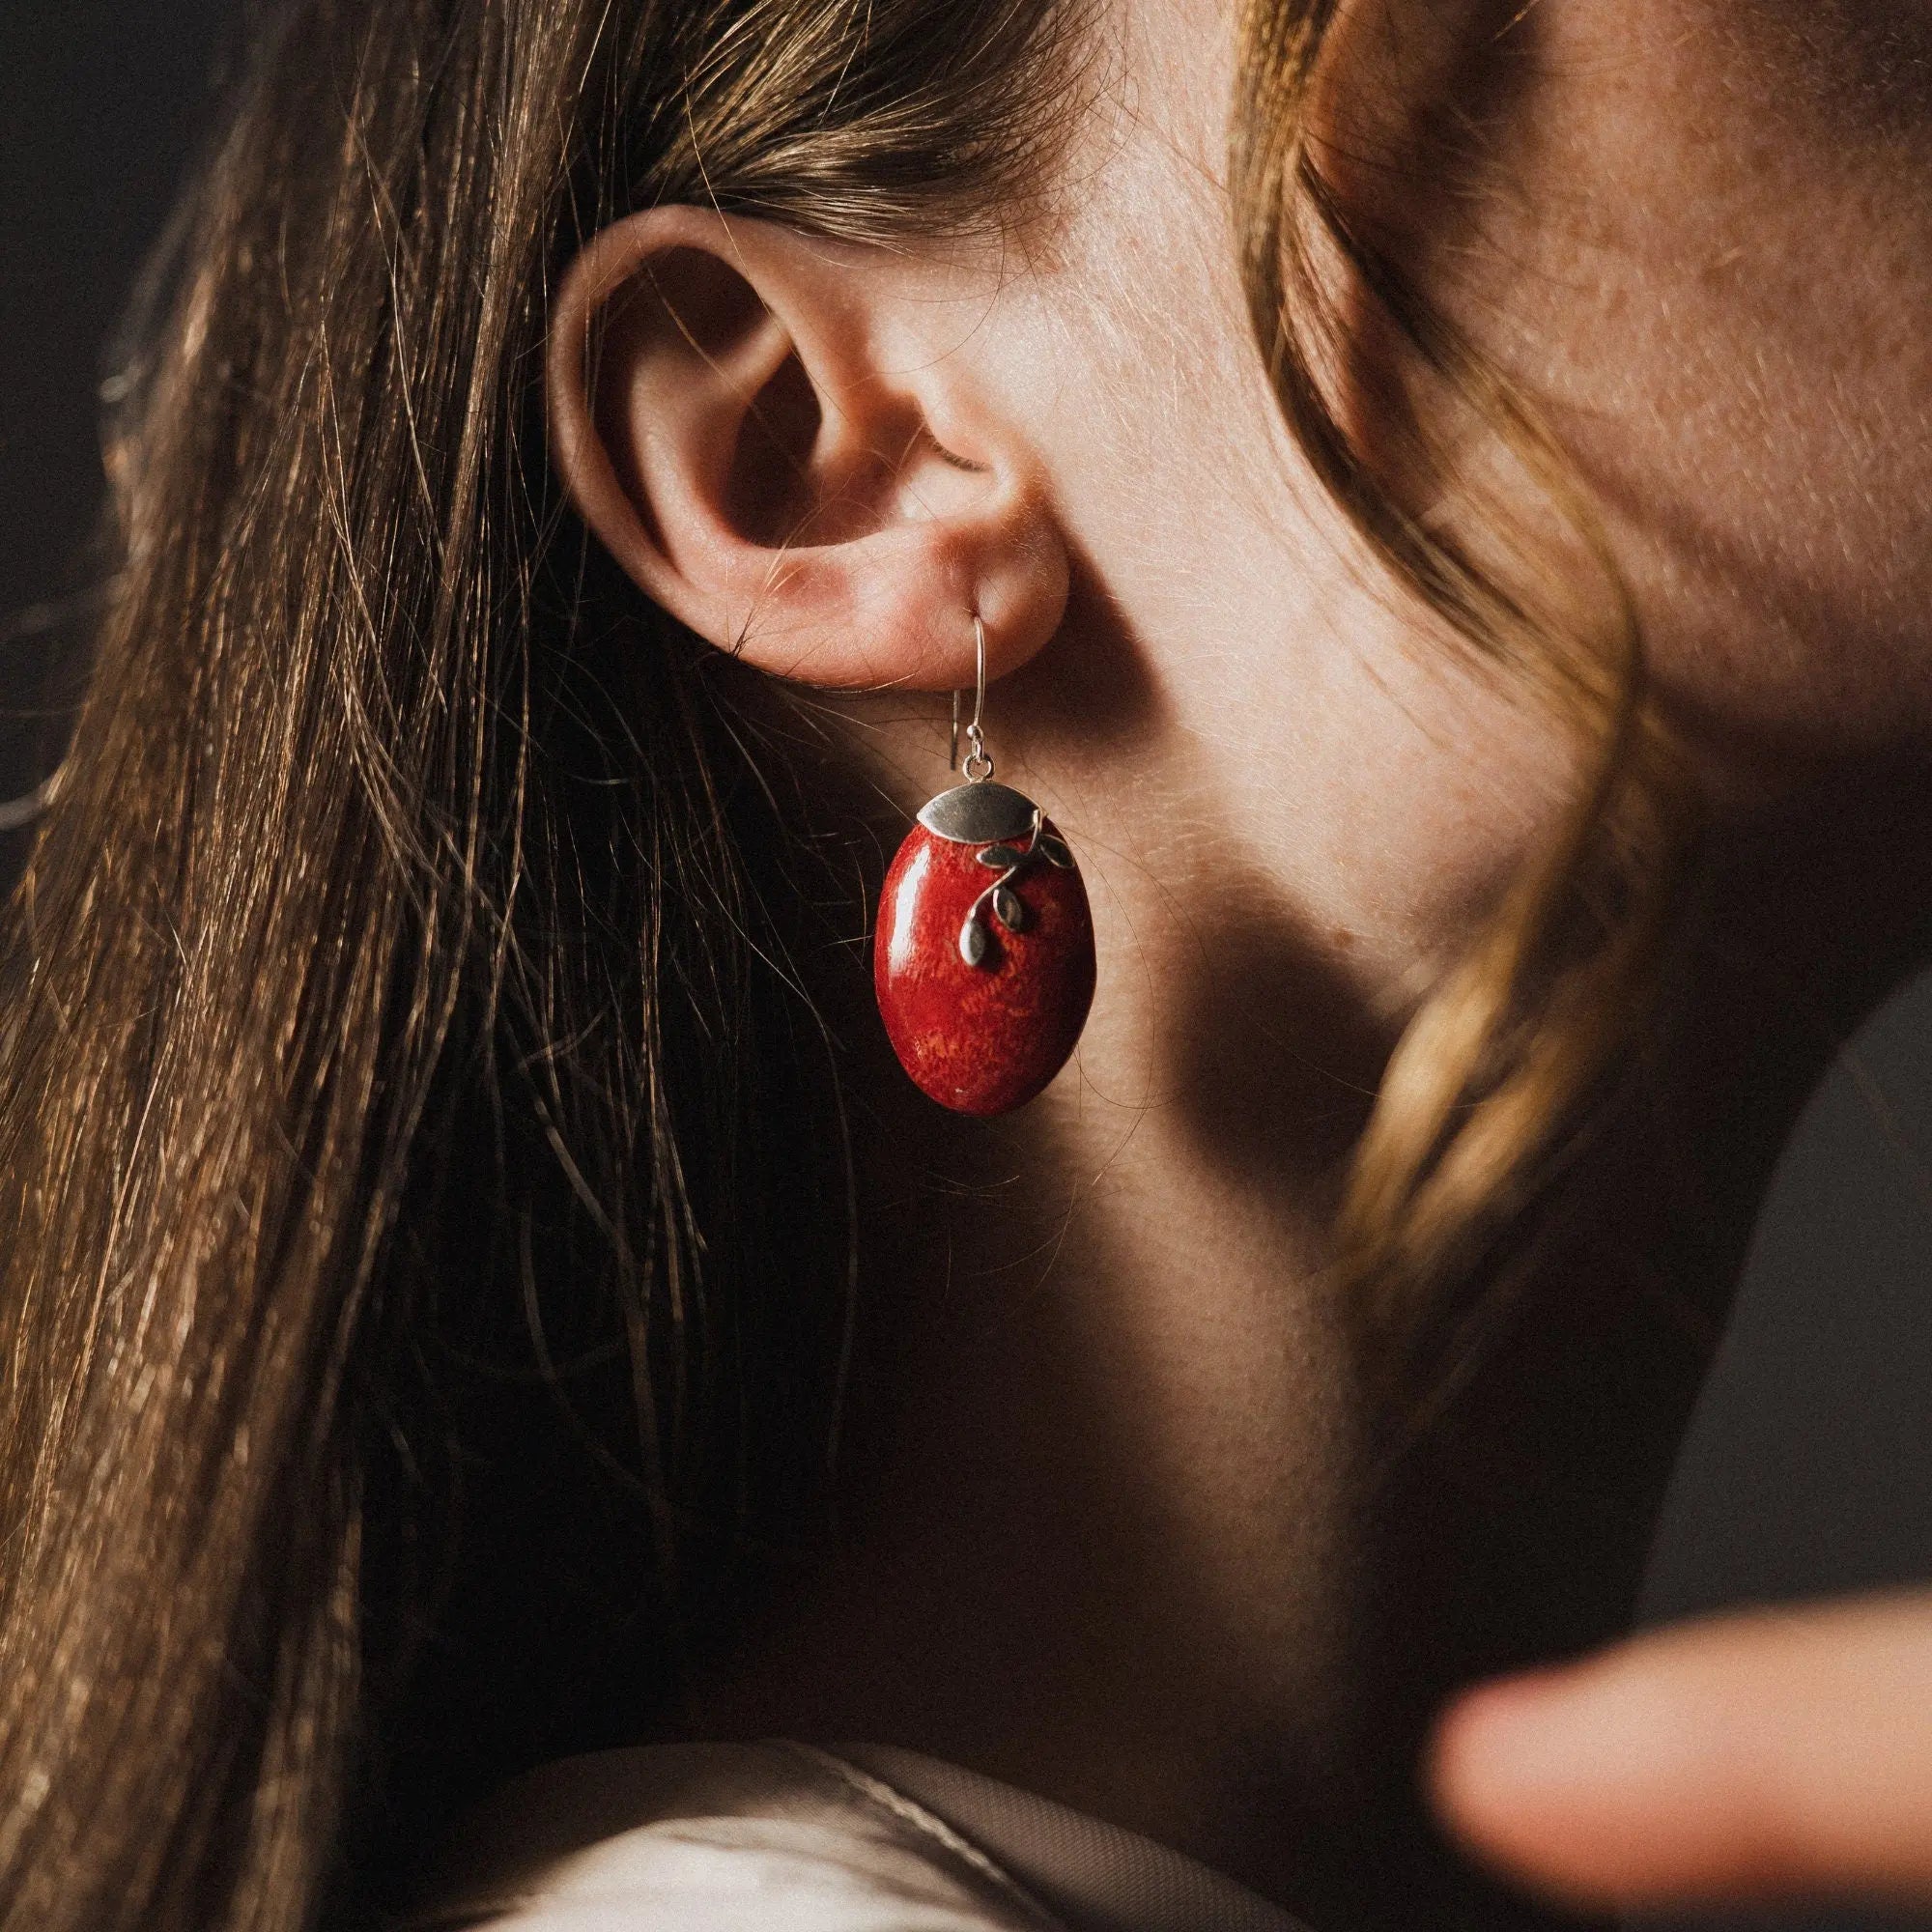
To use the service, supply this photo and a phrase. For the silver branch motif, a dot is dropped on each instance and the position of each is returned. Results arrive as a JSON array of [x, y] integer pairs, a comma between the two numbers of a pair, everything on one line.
[[1000, 899]]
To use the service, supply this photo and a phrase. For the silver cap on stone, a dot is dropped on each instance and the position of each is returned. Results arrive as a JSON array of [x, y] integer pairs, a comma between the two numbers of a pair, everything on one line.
[[978, 815]]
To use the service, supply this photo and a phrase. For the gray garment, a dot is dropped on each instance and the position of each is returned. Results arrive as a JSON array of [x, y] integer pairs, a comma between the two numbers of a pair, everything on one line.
[[782, 1837]]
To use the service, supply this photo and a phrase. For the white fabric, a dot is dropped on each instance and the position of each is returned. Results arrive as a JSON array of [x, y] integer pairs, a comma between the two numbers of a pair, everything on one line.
[[1097, 1876], [718, 1838]]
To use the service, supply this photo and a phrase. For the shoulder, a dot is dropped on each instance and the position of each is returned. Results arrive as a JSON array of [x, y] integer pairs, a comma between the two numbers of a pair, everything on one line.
[[717, 1839]]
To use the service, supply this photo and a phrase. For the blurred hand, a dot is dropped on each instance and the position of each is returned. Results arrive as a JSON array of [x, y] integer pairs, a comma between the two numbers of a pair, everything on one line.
[[1778, 1754]]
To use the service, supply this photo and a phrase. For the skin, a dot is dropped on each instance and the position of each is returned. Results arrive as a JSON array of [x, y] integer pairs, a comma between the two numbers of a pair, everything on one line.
[[1122, 1527], [1776, 1755]]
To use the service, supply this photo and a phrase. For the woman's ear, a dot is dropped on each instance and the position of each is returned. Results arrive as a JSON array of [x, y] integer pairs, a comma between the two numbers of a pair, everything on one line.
[[770, 433]]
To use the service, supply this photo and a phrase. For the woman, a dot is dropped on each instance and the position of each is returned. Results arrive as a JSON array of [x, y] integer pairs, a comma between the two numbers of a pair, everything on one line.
[[478, 1290]]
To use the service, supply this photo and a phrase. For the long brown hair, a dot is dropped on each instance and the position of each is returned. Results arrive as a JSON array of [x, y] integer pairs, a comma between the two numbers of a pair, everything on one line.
[[401, 949], [399, 1031]]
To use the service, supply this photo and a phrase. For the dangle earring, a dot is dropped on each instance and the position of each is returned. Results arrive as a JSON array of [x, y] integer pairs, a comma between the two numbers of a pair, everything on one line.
[[983, 956]]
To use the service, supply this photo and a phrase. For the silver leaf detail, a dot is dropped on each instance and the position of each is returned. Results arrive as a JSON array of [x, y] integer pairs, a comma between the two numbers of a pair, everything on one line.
[[1054, 851], [1002, 858], [973, 942], [1009, 908]]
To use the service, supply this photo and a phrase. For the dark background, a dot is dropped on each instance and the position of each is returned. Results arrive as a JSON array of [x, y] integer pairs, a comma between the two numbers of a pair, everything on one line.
[[1809, 1465]]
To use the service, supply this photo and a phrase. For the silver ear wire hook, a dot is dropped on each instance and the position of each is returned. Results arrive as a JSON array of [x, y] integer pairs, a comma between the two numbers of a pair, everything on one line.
[[978, 763]]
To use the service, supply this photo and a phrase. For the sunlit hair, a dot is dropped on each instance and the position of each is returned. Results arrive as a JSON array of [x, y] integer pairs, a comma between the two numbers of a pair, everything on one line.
[[400, 1049], [1515, 1033]]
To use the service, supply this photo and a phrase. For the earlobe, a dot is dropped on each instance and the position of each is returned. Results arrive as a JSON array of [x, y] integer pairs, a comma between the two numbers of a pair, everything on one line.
[[746, 419]]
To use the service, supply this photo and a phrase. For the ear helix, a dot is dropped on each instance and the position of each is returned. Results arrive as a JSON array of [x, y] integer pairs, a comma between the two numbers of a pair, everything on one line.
[[983, 953]]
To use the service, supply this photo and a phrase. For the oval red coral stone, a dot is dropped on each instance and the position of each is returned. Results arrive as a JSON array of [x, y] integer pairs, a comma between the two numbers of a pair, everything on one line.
[[985, 1037]]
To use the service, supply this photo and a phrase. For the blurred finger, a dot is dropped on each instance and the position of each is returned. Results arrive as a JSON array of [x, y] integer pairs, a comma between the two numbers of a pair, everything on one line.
[[1781, 1753]]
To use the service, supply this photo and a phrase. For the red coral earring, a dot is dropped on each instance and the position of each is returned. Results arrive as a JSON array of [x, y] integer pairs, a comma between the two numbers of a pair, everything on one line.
[[983, 956]]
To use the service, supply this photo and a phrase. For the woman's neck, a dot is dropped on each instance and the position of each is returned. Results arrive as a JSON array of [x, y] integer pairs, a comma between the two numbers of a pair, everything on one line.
[[1119, 1528], [1122, 1526]]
